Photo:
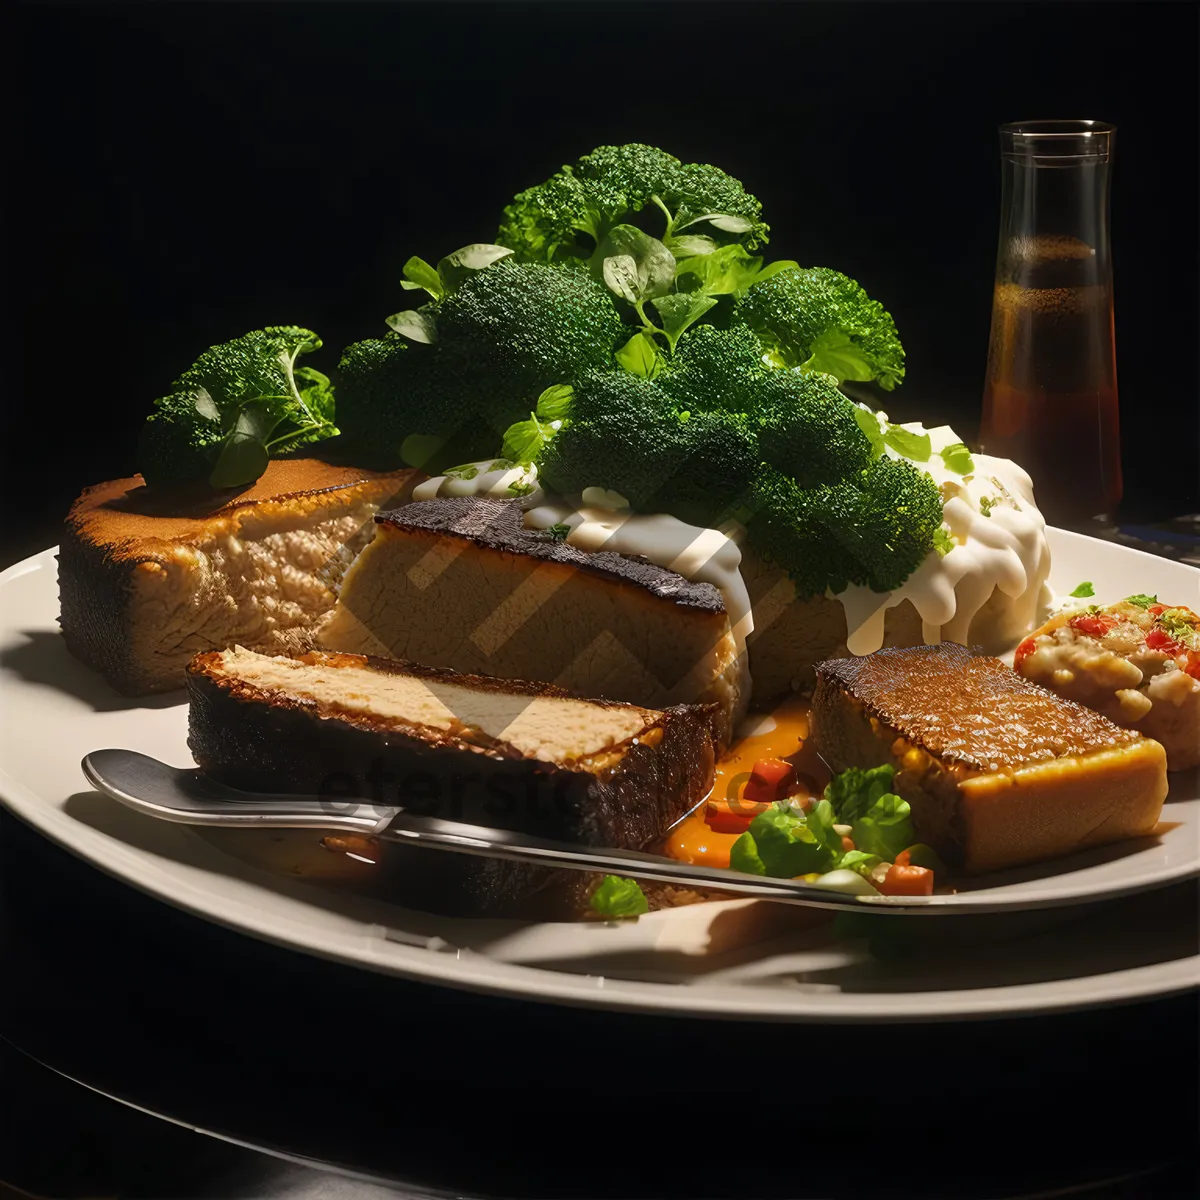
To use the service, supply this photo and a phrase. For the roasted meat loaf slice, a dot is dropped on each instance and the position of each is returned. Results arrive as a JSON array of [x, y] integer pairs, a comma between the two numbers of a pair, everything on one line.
[[461, 583], [998, 771], [148, 578], [515, 755]]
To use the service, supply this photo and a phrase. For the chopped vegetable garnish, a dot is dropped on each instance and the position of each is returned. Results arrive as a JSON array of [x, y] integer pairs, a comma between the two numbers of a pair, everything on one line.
[[619, 897], [771, 779], [907, 881], [1083, 590], [1141, 600]]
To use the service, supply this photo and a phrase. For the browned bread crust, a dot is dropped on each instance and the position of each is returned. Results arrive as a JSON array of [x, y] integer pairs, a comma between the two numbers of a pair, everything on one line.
[[121, 538], [264, 739], [498, 525]]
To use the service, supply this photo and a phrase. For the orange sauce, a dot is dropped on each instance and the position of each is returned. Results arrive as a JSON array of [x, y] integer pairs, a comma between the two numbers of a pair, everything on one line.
[[780, 734]]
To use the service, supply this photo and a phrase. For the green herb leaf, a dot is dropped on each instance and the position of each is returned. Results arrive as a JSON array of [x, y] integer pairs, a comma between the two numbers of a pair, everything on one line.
[[987, 503], [454, 268], [869, 424], [820, 820], [690, 245], [416, 326], [785, 845], [558, 533], [466, 471], [520, 488], [640, 356], [729, 271], [744, 856], [524, 441], [957, 458], [206, 406], [943, 542], [854, 791], [726, 222], [419, 274], [914, 446], [1083, 590], [620, 276], [885, 828], [773, 268], [680, 310], [860, 861], [653, 265], [619, 897], [1141, 600], [243, 456], [554, 404], [835, 353]]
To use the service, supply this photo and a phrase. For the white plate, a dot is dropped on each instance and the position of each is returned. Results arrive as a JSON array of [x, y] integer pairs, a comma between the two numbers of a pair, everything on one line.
[[738, 958]]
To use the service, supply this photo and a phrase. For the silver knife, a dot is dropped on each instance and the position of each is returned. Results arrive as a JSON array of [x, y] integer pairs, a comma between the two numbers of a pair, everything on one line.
[[190, 797]]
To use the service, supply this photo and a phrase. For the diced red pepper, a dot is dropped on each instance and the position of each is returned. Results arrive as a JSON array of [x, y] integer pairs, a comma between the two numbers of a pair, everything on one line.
[[1156, 610], [1192, 666], [1024, 650], [1096, 624], [907, 881], [770, 780], [1158, 639], [903, 859]]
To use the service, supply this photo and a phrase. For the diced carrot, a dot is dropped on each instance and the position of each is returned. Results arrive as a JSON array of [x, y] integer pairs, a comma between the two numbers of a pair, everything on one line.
[[907, 881], [847, 843], [770, 780], [731, 814]]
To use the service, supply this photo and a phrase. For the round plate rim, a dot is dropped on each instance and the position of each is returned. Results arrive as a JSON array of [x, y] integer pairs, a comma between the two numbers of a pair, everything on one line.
[[513, 980]]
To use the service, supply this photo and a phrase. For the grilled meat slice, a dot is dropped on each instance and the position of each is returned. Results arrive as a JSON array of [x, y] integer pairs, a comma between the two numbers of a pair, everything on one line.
[[998, 770], [461, 583], [503, 753], [148, 578]]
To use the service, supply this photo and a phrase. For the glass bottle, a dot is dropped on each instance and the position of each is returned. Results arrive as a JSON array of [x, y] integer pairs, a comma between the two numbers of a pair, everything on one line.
[[1050, 398]]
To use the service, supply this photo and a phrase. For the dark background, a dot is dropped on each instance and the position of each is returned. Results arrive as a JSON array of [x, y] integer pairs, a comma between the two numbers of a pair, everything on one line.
[[183, 173]]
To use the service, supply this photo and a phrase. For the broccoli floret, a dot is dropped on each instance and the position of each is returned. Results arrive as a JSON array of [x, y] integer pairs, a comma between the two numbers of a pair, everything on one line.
[[624, 433], [606, 187], [239, 404], [390, 389], [872, 529], [715, 369], [807, 429], [513, 329], [823, 321], [505, 334], [885, 517], [786, 525]]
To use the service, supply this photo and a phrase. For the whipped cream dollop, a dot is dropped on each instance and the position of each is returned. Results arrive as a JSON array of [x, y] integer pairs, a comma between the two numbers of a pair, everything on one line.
[[990, 587]]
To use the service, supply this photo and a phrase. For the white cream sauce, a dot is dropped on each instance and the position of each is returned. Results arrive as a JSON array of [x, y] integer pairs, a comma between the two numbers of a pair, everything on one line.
[[1004, 551], [492, 477]]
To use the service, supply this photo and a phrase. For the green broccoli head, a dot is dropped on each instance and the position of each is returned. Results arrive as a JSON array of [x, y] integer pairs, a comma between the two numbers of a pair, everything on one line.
[[807, 428], [512, 330], [823, 321], [605, 188], [873, 528], [715, 369], [786, 525], [884, 518], [504, 334], [625, 433], [237, 406]]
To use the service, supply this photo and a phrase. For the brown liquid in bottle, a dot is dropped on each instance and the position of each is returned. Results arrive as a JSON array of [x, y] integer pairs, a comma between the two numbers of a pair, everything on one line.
[[1050, 399]]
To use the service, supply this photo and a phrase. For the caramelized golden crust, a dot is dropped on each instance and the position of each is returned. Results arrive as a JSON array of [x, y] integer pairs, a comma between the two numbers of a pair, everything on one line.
[[997, 771], [966, 707], [123, 514], [148, 578]]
